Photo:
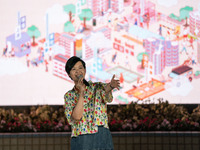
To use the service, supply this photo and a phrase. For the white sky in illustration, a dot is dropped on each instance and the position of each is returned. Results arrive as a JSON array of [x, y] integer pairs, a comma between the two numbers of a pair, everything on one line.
[[167, 3], [96, 40], [57, 14], [11, 66]]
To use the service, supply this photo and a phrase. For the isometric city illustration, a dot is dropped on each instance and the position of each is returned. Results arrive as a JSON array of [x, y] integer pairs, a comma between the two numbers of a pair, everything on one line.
[[152, 46]]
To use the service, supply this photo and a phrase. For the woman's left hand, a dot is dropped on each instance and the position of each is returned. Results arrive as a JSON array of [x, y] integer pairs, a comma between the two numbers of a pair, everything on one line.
[[114, 83]]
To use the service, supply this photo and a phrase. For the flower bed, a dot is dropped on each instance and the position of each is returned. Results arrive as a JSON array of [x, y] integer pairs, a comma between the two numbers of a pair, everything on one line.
[[132, 117]]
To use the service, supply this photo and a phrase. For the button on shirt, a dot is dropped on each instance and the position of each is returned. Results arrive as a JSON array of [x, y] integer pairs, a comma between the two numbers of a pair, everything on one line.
[[95, 108]]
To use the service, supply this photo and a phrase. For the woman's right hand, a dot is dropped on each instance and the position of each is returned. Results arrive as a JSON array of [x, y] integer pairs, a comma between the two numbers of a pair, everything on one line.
[[80, 85]]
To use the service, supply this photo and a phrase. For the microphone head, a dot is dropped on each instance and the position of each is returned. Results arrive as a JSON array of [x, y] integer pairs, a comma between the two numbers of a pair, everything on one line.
[[84, 81], [79, 76]]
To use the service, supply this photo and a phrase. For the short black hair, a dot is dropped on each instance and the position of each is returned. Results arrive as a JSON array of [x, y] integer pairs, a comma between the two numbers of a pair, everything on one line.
[[71, 62]]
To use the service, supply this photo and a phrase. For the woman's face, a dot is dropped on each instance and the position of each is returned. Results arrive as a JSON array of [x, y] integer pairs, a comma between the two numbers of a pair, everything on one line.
[[77, 71]]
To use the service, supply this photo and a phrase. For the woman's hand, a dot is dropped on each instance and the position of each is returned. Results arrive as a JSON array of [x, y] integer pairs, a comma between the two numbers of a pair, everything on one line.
[[114, 83], [80, 85]]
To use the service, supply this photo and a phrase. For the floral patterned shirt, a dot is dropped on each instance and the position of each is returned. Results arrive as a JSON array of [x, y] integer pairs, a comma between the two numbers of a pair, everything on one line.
[[95, 109]]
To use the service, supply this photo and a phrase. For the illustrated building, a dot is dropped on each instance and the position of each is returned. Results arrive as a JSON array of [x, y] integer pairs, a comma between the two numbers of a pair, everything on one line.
[[149, 71], [77, 44], [168, 56], [151, 45], [156, 53], [142, 7], [97, 6], [158, 61], [124, 44], [96, 72], [59, 61], [195, 22], [171, 53], [21, 46], [67, 40], [117, 5]]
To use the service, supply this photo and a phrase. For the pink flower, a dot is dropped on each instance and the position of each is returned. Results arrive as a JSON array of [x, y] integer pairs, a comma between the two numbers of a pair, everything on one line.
[[196, 124], [177, 121], [66, 128], [16, 118], [135, 125], [3, 121]]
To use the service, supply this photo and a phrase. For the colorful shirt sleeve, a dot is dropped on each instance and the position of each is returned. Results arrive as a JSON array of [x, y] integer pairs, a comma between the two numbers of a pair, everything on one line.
[[69, 106], [107, 98]]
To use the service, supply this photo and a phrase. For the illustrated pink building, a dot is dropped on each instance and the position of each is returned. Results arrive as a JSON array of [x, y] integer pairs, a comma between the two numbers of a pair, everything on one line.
[[158, 61], [195, 23], [142, 7], [78, 46], [59, 61], [97, 6], [156, 54], [67, 40], [117, 5], [171, 53], [124, 44], [151, 44], [74, 46]]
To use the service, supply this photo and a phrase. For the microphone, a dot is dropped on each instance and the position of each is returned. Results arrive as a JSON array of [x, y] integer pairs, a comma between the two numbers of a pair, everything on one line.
[[84, 81]]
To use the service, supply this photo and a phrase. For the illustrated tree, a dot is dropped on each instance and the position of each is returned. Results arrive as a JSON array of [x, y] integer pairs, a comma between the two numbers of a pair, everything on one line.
[[33, 32], [86, 15], [185, 13], [173, 16], [70, 9], [69, 27], [140, 58]]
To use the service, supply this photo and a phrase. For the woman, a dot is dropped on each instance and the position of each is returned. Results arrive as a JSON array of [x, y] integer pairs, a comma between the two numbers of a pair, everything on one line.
[[86, 109]]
